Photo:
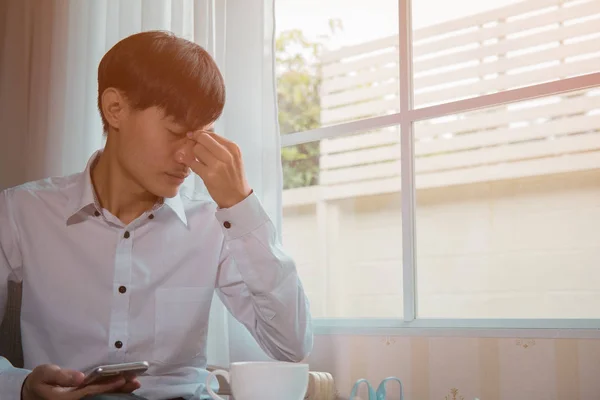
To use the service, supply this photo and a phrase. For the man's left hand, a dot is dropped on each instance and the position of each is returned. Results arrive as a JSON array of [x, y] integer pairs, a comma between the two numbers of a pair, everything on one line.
[[219, 163]]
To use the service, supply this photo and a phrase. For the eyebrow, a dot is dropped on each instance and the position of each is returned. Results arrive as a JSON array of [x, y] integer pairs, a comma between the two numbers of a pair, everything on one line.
[[173, 122], [184, 126]]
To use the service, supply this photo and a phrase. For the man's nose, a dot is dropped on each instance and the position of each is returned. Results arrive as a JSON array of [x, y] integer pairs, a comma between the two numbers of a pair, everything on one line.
[[185, 153]]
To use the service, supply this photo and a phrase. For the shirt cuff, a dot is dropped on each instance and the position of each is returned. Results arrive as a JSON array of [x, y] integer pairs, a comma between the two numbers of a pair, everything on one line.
[[11, 382], [242, 218]]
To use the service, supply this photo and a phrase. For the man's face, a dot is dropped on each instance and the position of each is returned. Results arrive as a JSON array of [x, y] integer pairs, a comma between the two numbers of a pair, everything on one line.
[[148, 143]]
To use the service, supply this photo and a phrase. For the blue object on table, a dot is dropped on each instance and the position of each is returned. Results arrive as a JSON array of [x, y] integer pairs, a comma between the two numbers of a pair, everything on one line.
[[380, 393]]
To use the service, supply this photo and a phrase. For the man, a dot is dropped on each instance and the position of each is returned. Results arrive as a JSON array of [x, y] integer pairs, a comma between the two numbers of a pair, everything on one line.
[[119, 264]]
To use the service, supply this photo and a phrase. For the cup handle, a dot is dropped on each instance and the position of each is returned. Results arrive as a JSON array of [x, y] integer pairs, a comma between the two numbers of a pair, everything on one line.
[[209, 378]]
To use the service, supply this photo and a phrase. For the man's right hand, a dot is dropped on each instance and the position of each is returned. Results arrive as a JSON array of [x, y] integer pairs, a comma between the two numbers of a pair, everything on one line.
[[50, 382]]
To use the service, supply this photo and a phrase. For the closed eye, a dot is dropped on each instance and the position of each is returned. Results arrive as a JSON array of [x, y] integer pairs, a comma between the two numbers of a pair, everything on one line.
[[177, 134]]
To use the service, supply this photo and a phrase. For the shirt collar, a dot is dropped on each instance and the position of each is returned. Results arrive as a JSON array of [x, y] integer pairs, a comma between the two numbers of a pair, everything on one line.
[[84, 195], [176, 204]]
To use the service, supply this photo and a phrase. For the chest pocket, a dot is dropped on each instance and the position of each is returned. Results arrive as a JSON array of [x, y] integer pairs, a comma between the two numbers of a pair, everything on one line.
[[181, 323]]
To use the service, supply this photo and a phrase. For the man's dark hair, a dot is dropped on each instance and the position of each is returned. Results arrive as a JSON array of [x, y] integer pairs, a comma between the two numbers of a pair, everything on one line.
[[157, 68]]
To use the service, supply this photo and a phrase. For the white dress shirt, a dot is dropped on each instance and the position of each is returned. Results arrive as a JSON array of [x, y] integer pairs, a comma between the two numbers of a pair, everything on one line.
[[96, 291]]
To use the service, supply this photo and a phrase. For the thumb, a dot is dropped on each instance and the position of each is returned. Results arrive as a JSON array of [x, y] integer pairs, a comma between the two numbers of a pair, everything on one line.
[[188, 159], [54, 375], [109, 386]]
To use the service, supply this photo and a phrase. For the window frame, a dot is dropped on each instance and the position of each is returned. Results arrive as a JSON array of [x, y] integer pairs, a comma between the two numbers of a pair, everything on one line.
[[405, 119]]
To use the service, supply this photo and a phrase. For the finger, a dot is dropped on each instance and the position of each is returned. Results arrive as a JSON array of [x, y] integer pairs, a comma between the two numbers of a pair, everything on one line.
[[54, 375], [200, 169], [131, 378], [204, 155], [188, 158], [231, 146], [218, 150], [186, 155], [130, 386], [109, 386]]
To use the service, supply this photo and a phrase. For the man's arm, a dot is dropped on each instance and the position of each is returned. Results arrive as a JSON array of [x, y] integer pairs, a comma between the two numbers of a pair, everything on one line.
[[11, 378], [259, 284]]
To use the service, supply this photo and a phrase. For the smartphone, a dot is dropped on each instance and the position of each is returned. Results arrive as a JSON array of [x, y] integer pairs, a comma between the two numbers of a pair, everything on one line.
[[105, 372]]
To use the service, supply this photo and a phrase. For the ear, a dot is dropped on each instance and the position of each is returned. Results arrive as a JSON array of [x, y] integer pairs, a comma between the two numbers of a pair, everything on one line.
[[114, 107]]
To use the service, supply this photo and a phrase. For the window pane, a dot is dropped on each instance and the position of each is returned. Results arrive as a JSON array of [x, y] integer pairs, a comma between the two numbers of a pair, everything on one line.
[[508, 216], [468, 48], [342, 223], [336, 61]]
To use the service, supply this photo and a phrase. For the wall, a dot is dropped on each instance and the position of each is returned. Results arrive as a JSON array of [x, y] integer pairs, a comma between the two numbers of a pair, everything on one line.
[[505, 249], [486, 368], [516, 248]]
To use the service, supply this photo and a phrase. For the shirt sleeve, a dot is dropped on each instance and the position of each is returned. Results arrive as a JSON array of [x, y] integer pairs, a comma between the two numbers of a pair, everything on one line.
[[11, 378], [258, 283]]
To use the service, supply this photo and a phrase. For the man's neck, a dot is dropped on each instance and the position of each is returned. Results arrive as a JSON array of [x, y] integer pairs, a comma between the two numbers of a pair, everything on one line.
[[118, 192]]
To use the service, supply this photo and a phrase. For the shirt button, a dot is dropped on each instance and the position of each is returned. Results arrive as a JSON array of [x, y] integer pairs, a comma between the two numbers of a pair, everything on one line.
[[227, 224], [151, 216], [126, 235], [97, 213], [118, 344], [122, 289]]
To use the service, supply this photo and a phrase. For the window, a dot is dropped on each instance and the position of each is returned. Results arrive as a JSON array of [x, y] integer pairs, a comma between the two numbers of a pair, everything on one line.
[[507, 210], [484, 50], [343, 59], [345, 229], [449, 181]]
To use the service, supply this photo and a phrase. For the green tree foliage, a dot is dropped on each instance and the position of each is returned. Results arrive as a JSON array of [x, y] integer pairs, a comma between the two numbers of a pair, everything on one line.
[[298, 93], [298, 85]]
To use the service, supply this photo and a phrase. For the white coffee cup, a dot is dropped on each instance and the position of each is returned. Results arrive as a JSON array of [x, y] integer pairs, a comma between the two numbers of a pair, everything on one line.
[[263, 380]]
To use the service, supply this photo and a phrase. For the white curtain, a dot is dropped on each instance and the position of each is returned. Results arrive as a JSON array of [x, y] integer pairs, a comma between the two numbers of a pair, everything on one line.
[[250, 120], [50, 124], [48, 88]]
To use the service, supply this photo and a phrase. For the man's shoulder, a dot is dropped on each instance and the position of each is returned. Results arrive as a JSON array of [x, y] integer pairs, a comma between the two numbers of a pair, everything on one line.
[[42, 189]]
